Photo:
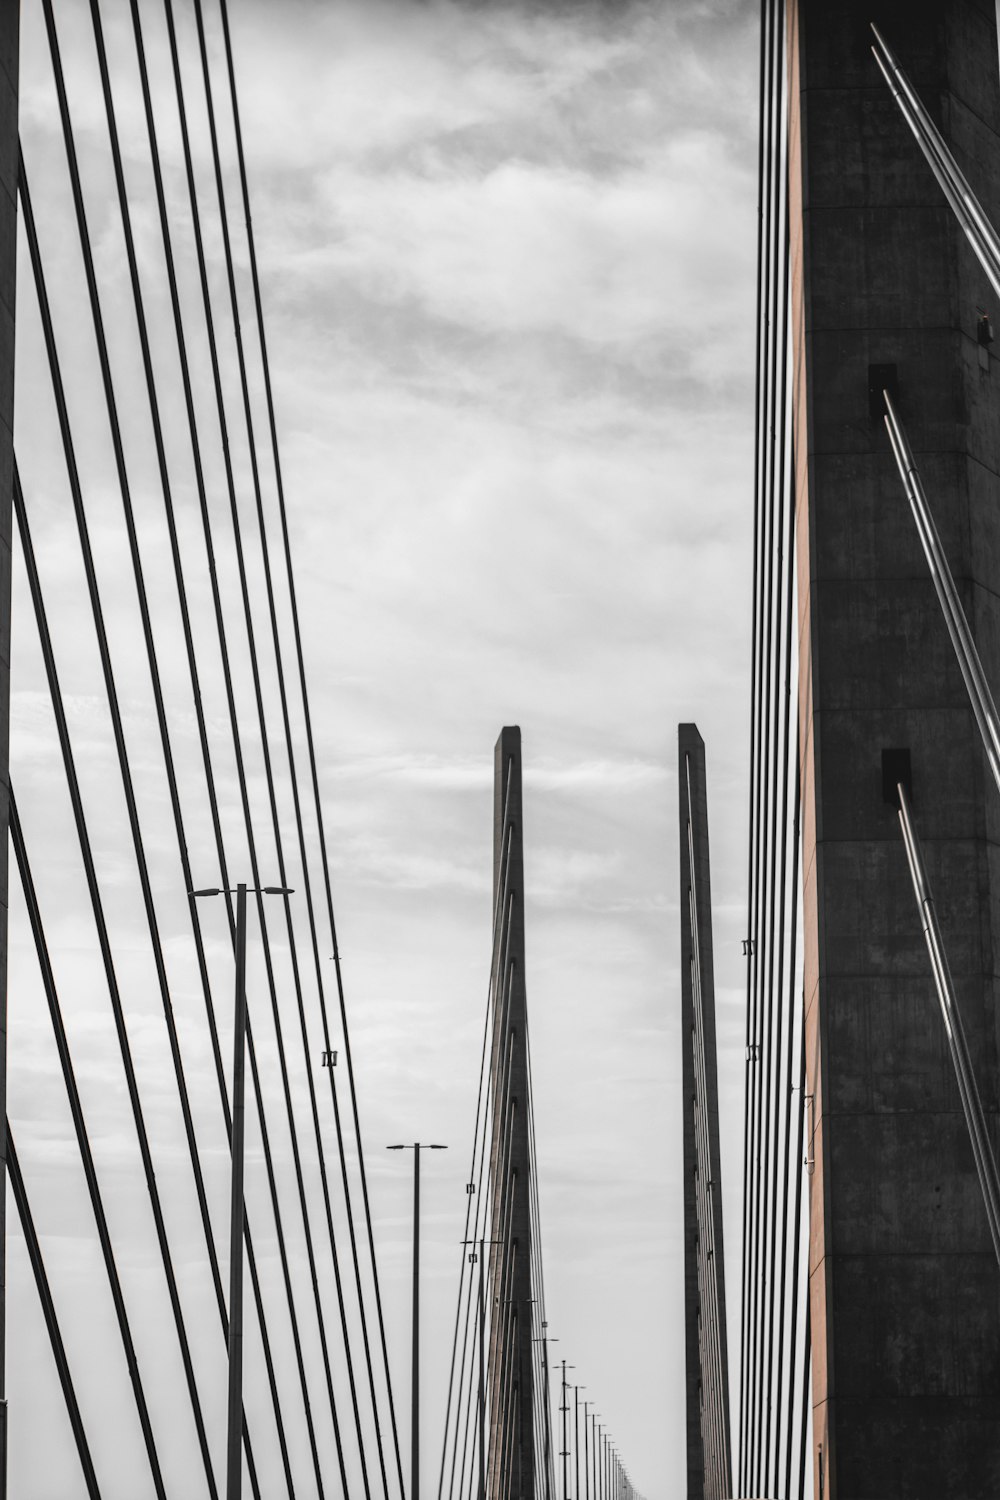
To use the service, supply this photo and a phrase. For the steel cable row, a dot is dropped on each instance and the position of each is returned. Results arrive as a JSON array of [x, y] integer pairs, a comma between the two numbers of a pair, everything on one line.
[[374, 1396], [773, 1243]]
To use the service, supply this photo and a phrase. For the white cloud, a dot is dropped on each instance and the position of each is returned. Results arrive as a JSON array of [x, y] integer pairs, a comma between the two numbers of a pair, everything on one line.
[[507, 265]]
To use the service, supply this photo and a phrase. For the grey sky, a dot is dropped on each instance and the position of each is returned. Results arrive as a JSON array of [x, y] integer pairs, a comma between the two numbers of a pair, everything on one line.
[[507, 258]]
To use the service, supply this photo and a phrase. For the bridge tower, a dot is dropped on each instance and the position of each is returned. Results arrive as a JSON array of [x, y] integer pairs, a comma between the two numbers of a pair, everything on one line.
[[9, 51], [904, 1293], [510, 1375], [706, 1354]]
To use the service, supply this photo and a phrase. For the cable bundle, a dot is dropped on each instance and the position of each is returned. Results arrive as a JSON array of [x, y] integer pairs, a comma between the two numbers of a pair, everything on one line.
[[774, 1345], [356, 1407]]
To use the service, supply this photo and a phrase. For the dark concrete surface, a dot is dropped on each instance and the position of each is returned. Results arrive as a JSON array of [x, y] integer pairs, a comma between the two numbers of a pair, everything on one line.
[[905, 1290]]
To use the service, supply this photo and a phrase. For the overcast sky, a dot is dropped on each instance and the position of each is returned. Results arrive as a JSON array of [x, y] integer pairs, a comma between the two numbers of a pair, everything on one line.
[[507, 255]]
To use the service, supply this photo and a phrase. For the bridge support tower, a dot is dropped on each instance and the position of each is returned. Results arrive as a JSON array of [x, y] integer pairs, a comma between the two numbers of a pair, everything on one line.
[[511, 1465], [706, 1354], [904, 1294]]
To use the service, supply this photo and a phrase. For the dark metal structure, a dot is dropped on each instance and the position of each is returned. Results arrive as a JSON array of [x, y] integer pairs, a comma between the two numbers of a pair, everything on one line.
[[707, 1360]]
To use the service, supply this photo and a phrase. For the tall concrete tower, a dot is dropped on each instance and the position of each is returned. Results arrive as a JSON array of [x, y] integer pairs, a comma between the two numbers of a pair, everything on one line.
[[512, 1326], [706, 1349], [904, 1290]]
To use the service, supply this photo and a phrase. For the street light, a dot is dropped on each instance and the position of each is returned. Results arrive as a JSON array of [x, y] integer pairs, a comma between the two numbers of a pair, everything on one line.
[[586, 1455], [595, 1427], [415, 1378], [234, 1430], [482, 1242], [545, 1341], [565, 1449]]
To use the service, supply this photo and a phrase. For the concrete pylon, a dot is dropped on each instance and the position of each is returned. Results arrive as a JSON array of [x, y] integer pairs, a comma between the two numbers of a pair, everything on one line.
[[511, 1465], [904, 1294], [706, 1347]]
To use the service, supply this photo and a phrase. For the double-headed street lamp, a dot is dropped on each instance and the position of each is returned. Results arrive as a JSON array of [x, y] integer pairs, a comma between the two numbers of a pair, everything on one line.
[[415, 1378], [234, 1430]]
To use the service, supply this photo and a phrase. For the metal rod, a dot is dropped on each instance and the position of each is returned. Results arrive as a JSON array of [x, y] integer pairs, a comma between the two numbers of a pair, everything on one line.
[[415, 1378], [482, 1370], [966, 206], [969, 661], [598, 1485], [548, 1412], [415, 1375], [586, 1455], [565, 1453], [975, 1118], [234, 1460]]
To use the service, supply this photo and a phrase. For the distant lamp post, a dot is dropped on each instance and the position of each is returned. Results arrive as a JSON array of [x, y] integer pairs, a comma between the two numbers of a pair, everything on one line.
[[234, 1430], [564, 1408], [595, 1433], [415, 1378], [482, 1242], [545, 1341], [586, 1456]]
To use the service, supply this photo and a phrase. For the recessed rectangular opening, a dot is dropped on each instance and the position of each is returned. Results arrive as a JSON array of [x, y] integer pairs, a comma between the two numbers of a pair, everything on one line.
[[896, 770], [881, 378]]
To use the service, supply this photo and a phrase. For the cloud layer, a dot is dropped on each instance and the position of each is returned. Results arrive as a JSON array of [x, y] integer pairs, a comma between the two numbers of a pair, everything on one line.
[[508, 257]]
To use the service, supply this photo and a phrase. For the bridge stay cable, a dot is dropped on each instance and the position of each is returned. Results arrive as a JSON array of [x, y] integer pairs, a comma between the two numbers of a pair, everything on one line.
[[473, 1194], [44, 1290], [988, 722], [307, 1054], [317, 801], [223, 423], [115, 430], [764, 168], [88, 562], [513, 1456], [264, 741], [767, 765], [137, 831], [83, 1142], [190, 652], [122, 756], [478, 1180], [773, 1243]]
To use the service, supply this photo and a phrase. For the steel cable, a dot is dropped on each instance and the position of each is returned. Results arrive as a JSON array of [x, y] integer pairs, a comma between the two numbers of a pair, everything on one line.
[[83, 1142], [34, 1250], [310, 742]]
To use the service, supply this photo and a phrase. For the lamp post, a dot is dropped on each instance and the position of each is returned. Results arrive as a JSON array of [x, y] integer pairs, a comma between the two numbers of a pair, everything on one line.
[[598, 1487], [482, 1242], [415, 1377], [564, 1408], [586, 1455], [545, 1341], [237, 1207]]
